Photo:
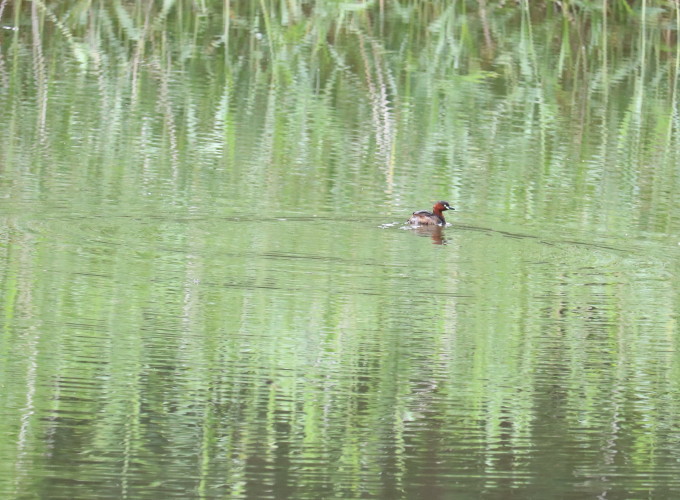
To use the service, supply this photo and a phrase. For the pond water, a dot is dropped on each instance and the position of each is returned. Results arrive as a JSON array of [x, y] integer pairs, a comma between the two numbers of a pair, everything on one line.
[[207, 289]]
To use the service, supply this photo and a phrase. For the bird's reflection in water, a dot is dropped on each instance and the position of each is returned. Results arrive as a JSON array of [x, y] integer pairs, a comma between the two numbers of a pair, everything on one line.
[[434, 232]]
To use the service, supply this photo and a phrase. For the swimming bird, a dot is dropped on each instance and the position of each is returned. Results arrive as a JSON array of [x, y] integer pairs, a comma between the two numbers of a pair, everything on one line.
[[436, 217]]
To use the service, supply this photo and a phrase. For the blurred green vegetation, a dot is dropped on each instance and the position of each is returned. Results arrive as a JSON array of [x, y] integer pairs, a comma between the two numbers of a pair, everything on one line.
[[314, 76], [137, 134]]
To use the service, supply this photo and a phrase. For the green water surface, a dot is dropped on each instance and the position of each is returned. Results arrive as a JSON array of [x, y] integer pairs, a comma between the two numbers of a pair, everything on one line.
[[206, 286]]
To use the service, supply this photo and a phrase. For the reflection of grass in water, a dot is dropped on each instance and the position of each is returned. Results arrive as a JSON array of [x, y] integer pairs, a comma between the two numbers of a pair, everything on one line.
[[443, 69], [329, 95]]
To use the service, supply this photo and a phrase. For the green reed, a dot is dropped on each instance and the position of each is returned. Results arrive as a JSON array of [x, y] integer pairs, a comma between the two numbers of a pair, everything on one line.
[[304, 57], [404, 86]]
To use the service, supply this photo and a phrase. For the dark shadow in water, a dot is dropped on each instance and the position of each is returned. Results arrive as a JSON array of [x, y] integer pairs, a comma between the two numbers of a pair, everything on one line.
[[546, 241], [602, 242], [434, 232]]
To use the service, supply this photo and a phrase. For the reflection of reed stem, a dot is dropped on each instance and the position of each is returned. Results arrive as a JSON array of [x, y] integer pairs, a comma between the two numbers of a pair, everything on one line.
[[605, 61], [165, 105], [138, 56], [4, 77], [673, 121], [227, 21], [382, 118], [40, 74], [270, 34], [643, 57], [488, 41]]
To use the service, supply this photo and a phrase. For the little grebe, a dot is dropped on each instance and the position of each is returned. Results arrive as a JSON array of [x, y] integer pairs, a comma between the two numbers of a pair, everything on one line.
[[436, 217]]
